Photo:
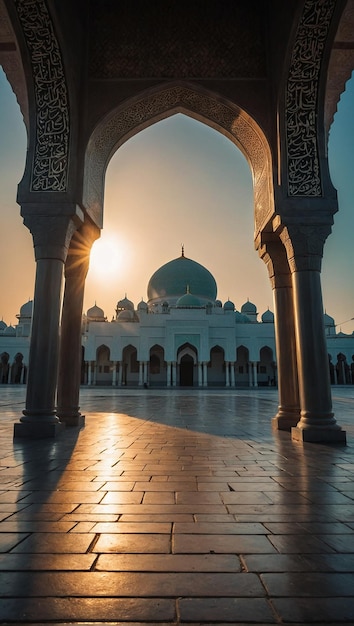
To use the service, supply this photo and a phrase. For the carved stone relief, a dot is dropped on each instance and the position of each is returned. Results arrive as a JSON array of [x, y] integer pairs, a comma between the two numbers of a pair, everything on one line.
[[51, 150], [304, 176], [304, 245], [128, 120], [174, 40]]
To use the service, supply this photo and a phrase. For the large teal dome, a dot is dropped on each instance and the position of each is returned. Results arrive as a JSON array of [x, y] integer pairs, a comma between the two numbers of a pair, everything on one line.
[[172, 280]]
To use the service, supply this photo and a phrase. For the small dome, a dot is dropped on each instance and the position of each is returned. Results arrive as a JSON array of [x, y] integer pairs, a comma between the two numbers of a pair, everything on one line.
[[125, 304], [229, 306], [218, 303], [26, 309], [142, 306], [248, 307], [2, 325], [95, 313], [268, 317], [10, 331], [125, 316], [188, 301]]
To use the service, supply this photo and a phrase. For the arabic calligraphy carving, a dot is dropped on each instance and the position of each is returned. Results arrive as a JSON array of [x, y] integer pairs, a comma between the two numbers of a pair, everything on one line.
[[304, 176], [51, 151]]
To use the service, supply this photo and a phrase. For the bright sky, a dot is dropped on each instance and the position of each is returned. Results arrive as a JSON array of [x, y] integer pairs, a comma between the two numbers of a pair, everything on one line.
[[177, 182]]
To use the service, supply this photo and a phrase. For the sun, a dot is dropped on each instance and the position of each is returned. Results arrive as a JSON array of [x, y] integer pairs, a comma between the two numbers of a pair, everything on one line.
[[107, 256]]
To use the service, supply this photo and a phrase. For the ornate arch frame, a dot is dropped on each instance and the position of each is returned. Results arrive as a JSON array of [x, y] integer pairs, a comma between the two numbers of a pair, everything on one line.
[[160, 103]]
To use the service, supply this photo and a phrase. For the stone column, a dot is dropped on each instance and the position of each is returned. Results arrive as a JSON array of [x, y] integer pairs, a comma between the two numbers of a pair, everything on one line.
[[89, 373], [174, 374], [205, 374], [232, 371], [200, 375], [255, 376], [76, 267], [273, 253], [120, 374], [250, 374], [169, 374], [140, 373], [114, 374], [51, 238], [304, 247], [227, 372]]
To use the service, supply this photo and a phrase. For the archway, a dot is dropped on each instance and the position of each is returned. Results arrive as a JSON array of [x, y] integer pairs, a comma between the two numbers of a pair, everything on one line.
[[157, 366], [186, 359], [216, 367], [130, 366], [103, 366], [157, 104]]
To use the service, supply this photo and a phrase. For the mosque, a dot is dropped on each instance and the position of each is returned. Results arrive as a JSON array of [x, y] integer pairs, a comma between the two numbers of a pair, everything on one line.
[[182, 336]]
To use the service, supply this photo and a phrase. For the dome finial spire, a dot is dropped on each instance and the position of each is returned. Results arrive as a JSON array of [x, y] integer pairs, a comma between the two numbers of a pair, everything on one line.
[[182, 249]]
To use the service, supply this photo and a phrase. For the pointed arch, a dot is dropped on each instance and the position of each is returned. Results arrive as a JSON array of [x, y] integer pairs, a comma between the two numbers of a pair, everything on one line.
[[216, 368], [160, 103]]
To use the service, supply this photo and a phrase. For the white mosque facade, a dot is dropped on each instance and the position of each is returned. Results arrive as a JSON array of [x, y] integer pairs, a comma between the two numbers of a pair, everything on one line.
[[182, 336]]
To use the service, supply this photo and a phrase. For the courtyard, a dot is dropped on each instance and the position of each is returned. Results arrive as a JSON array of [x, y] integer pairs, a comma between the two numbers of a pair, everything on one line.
[[176, 506]]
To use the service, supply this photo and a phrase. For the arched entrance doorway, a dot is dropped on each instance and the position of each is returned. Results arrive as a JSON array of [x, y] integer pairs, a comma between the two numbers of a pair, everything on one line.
[[186, 360], [186, 368]]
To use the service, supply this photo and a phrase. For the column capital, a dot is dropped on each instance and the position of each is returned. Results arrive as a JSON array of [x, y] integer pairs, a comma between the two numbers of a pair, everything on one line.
[[304, 245], [273, 253], [51, 234]]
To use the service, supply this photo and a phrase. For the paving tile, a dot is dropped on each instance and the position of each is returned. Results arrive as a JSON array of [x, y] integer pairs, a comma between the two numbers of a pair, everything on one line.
[[159, 497], [121, 497], [56, 543], [309, 584], [330, 610], [129, 527], [36, 526], [9, 540], [196, 497], [222, 544], [227, 528], [299, 544], [340, 543], [147, 517], [98, 610], [145, 543], [64, 496], [234, 610], [88, 517], [169, 563], [37, 562]]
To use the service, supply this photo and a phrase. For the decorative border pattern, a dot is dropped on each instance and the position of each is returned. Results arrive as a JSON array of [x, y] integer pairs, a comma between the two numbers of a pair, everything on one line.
[[304, 176], [51, 150], [155, 106]]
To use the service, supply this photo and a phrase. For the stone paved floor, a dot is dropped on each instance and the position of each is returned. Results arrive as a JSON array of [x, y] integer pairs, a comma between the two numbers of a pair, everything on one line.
[[176, 507]]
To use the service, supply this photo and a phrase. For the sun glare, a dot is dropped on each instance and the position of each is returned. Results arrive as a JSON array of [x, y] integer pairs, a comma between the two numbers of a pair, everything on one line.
[[107, 256]]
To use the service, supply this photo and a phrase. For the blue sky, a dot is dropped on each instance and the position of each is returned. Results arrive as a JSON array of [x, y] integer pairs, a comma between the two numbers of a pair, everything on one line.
[[177, 182]]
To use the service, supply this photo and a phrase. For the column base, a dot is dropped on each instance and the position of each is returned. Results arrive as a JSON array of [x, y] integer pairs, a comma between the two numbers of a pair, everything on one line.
[[319, 435], [72, 420], [37, 430], [284, 422]]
